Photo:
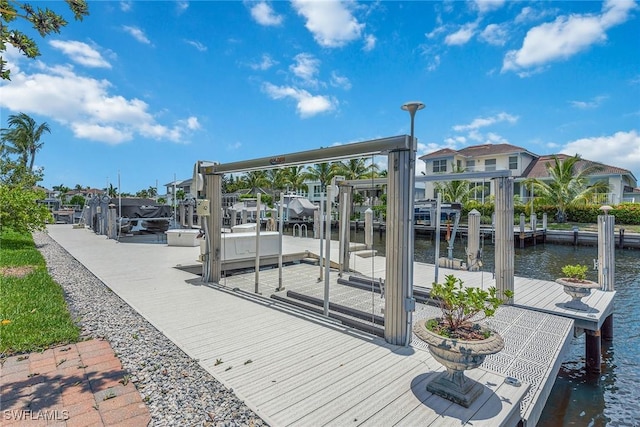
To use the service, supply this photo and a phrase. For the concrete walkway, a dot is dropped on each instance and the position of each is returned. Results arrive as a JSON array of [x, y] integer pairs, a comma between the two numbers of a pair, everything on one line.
[[290, 368]]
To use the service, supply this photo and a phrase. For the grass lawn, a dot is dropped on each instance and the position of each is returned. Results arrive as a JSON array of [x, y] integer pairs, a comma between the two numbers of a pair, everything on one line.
[[589, 226], [33, 311]]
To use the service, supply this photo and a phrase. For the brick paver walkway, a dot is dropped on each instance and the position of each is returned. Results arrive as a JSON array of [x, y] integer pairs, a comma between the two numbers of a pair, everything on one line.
[[73, 385]]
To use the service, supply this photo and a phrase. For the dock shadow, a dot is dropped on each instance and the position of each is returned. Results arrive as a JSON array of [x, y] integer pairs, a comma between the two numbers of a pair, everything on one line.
[[588, 309], [315, 317], [487, 406]]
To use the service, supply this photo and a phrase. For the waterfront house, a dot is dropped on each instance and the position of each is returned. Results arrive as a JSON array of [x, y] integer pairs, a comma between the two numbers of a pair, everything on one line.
[[523, 164]]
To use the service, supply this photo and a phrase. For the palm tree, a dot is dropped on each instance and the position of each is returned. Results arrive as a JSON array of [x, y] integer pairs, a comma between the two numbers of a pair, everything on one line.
[[62, 192], [112, 191], [254, 180], [275, 178], [569, 185], [355, 169], [152, 191], [454, 191], [22, 138], [294, 178], [322, 172]]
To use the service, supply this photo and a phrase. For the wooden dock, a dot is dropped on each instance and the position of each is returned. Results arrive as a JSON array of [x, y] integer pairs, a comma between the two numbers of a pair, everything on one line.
[[296, 368]]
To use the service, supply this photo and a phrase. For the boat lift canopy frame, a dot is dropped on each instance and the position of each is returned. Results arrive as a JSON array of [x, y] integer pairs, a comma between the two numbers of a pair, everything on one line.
[[401, 155], [401, 158]]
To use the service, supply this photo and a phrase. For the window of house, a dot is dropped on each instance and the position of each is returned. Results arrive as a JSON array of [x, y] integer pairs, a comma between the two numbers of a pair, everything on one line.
[[459, 165], [439, 166], [490, 164], [513, 162], [471, 165]]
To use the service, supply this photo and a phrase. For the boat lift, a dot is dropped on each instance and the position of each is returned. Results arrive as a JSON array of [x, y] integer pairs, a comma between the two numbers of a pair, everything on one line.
[[401, 154]]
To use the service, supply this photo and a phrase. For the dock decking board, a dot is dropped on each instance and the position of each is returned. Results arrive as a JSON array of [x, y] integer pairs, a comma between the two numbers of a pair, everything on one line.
[[171, 300]]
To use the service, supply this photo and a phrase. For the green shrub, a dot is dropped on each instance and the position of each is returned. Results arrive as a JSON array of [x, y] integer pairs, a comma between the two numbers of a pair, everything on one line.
[[576, 272], [627, 213]]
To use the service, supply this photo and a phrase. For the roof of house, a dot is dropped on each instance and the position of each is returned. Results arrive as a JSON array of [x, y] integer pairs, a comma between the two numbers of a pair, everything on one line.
[[478, 150], [538, 168], [445, 152], [492, 150]]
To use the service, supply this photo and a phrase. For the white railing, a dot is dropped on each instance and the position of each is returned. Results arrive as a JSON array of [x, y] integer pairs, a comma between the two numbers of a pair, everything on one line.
[[603, 198]]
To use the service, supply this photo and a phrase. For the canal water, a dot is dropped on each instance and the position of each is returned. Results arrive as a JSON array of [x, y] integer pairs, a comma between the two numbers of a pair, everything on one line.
[[611, 398]]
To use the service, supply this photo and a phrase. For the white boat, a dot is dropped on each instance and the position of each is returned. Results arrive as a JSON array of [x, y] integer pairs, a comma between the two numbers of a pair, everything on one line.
[[297, 208]]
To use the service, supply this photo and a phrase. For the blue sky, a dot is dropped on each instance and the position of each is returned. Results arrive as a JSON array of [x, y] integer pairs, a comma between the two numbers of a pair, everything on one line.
[[144, 89]]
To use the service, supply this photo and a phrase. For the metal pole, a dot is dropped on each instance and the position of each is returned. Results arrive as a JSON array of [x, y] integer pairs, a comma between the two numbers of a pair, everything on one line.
[[281, 229], [327, 264], [320, 226], [257, 275], [437, 253], [174, 202]]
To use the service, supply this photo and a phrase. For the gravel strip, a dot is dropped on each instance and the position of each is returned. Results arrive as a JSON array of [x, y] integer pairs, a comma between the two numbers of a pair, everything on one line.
[[177, 390]]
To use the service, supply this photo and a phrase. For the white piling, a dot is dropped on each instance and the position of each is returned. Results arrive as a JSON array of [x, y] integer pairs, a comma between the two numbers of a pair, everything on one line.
[[473, 245], [606, 250], [368, 228]]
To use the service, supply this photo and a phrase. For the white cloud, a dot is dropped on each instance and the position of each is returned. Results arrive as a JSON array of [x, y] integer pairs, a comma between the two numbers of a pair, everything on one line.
[[182, 6], [191, 123], [529, 14], [81, 53], [481, 122], [330, 22], [495, 34], [137, 34], [264, 14], [434, 63], [462, 36], [201, 47], [621, 149], [436, 32], [494, 138], [566, 36], [307, 105], [235, 146], [125, 6], [340, 81], [484, 6], [86, 106], [96, 132], [265, 63], [306, 68], [369, 43], [586, 105]]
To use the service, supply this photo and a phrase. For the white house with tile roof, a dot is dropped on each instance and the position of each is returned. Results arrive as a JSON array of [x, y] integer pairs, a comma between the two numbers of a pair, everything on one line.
[[523, 165]]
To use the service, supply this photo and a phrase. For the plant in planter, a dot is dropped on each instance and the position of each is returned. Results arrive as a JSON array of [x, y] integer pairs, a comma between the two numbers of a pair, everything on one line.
[[457, 340], [576, 285]]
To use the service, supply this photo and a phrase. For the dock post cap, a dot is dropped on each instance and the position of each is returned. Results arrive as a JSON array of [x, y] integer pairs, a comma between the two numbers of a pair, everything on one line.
[[605, 209]]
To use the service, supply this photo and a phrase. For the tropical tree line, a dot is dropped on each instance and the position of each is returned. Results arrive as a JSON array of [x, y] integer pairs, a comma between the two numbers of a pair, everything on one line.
[[19, 194], [294, 178]]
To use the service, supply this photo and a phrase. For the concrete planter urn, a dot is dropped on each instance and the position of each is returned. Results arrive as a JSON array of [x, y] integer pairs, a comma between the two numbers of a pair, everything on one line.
[[576, 285], [457, 356], [577, 290], [457, 340]]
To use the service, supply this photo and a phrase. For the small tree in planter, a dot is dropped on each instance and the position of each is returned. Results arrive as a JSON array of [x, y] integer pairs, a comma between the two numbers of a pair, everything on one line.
[[456, 339], [575, 273], [576, 285]]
